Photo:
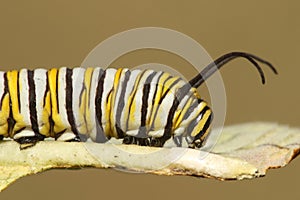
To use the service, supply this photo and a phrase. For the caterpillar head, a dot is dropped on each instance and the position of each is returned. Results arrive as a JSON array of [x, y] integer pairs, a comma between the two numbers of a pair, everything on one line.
[[200, 128], [196, 137], [194, 123]]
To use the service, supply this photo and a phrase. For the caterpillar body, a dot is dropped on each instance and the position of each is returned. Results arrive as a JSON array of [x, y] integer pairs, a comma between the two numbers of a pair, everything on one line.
[[143, 107]]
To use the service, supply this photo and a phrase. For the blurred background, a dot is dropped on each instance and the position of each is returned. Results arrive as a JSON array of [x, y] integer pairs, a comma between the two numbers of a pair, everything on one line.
[[61, 33]]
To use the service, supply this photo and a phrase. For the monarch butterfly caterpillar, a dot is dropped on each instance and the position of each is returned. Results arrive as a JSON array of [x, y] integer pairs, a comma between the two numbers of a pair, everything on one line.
[[143, 107]]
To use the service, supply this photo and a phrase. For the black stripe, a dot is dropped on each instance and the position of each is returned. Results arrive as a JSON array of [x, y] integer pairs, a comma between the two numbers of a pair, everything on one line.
[[195, 121], [57, 135], [81, 92], [168, 128], [154, 96], [4, 91], [87, 95], [205, 127], [32, 102], [46, 90], [146, 90], [200, 136], [10, 121], [20, 130], [108, 95], [69, 101], [51, 121], [89, 92], [18, 91], [121, 104], [133, 96], [162, 98], [191, 109], [100, 137], [167, 91], [57, 89]]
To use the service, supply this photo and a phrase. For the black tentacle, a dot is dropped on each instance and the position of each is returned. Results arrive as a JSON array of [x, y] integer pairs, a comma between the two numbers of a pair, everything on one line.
[[211, 68]]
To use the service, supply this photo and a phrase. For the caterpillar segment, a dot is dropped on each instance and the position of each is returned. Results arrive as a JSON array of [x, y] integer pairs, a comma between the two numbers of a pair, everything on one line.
[[4, 106], [143, 107]]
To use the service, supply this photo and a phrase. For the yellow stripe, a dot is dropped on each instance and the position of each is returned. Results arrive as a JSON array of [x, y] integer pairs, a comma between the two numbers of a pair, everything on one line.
[[111, 101], [106, 114], [45, 129], [87, 83], [201, 124], [4, 114], [157, 120], [169, 83], [132, 101], [12, 77], [83, 127], [180, 114], [127, 107], [159, 92], [198, 110], [206, 133], [58, 125]]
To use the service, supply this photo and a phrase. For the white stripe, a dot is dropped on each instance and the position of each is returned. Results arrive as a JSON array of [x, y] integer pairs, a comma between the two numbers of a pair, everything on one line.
[[129, 89], [66, 136], [1, 84], [77, 84], [24, 133], [161, 118], [153, 85], [138, 98], [40, 81], [157, 133], [192, 116], [107, 86], [61, 92], [93, 90], [117, 100], [24, 96]]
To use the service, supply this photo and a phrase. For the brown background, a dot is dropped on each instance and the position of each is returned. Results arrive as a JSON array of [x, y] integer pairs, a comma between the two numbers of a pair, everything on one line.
[[54, 33]]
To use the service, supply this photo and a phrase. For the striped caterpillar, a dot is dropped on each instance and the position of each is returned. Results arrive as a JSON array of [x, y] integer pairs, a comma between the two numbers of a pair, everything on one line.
[[143, 107]]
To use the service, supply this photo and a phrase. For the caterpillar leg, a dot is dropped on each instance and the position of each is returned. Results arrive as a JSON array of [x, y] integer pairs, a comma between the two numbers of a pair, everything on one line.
[[75, 139], [149, 141], [26, 142], [137, 140], [27, 138], [70, 137], [158, 142]]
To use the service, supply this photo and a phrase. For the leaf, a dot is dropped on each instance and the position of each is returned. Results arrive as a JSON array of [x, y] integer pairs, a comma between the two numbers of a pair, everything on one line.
[[265, 145], [240, 152]]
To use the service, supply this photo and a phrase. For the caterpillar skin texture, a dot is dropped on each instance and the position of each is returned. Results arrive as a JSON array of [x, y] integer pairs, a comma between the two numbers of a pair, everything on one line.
[[75, 104], [143, 107]]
